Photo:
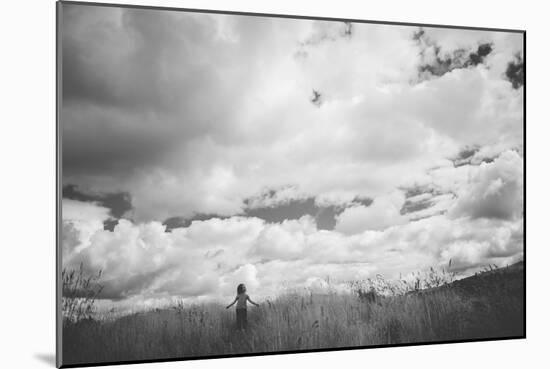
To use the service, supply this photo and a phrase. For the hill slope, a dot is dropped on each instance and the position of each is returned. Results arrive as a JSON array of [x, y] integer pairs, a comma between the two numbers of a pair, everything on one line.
[[486, 305]]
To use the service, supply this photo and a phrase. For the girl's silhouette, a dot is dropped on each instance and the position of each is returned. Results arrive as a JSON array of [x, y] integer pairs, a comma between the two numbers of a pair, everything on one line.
[[241, 300]]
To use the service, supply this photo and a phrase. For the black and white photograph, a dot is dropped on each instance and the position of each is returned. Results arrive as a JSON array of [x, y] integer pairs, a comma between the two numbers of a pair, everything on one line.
[[244, 184]]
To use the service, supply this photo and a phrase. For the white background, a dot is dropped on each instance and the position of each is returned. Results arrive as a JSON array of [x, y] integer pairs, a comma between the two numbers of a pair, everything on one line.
[[27, 134]]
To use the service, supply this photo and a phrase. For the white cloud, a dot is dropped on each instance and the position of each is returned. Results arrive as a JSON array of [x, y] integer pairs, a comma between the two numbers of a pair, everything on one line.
[[209, 258], [80, 211], [247, 123], [86, 217], [286, 240], [494, 191], [247, 274], [384, 212], [201, 112]]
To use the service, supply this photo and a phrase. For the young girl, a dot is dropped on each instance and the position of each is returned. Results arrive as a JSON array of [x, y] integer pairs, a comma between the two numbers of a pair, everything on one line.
[[241, 300]]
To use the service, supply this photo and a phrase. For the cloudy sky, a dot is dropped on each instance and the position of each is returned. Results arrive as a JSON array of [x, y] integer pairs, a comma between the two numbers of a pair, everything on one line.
[[200, 151]]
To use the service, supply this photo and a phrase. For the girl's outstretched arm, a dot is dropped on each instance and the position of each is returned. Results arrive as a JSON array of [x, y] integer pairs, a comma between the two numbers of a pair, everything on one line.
[[231, 304], [252, 302]]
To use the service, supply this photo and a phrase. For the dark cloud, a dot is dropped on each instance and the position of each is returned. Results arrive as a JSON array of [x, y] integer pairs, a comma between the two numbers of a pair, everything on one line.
[[293, 209], [413, 206], [135, 85], [182, 222], [364, 201], [317, 98], [328, 31], [325, 216], [515, 72], [465, 156], [417, 35], [123, 287], [433, 214], [105, 149], [456, 60], [110, 224], [324, 32], [119, 203], [418, 190], [477, 57], [469, 155], [419, 198], [194, 113], [440, 66], [348, 31], [445, 63], [103, 56]]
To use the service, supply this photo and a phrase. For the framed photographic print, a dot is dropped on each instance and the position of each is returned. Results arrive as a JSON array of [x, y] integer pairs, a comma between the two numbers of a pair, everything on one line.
[[238, 184]]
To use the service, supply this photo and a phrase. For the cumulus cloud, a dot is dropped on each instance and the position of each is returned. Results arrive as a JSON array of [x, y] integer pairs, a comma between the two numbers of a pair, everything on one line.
[[384, 212], [81, 221], [515, 72], [82, 211], [247, 274], [209, 258], [495, 191], [286, 240], [283, 149], [152, 111]]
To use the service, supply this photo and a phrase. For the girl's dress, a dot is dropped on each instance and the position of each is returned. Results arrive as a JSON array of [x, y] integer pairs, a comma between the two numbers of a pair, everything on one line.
[[242, 322]]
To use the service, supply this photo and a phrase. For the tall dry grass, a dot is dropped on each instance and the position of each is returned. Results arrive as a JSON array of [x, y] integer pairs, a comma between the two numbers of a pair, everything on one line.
[[301, 321], [80, 292]]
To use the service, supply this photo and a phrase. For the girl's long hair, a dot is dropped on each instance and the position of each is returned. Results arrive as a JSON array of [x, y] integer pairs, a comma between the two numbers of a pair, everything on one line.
[[241, 288]]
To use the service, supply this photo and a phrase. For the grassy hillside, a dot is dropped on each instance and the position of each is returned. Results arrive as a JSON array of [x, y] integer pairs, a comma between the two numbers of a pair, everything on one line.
[[486, 305]]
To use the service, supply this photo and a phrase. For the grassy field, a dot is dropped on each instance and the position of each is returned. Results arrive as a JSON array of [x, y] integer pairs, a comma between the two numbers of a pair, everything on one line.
[[487, 305]]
